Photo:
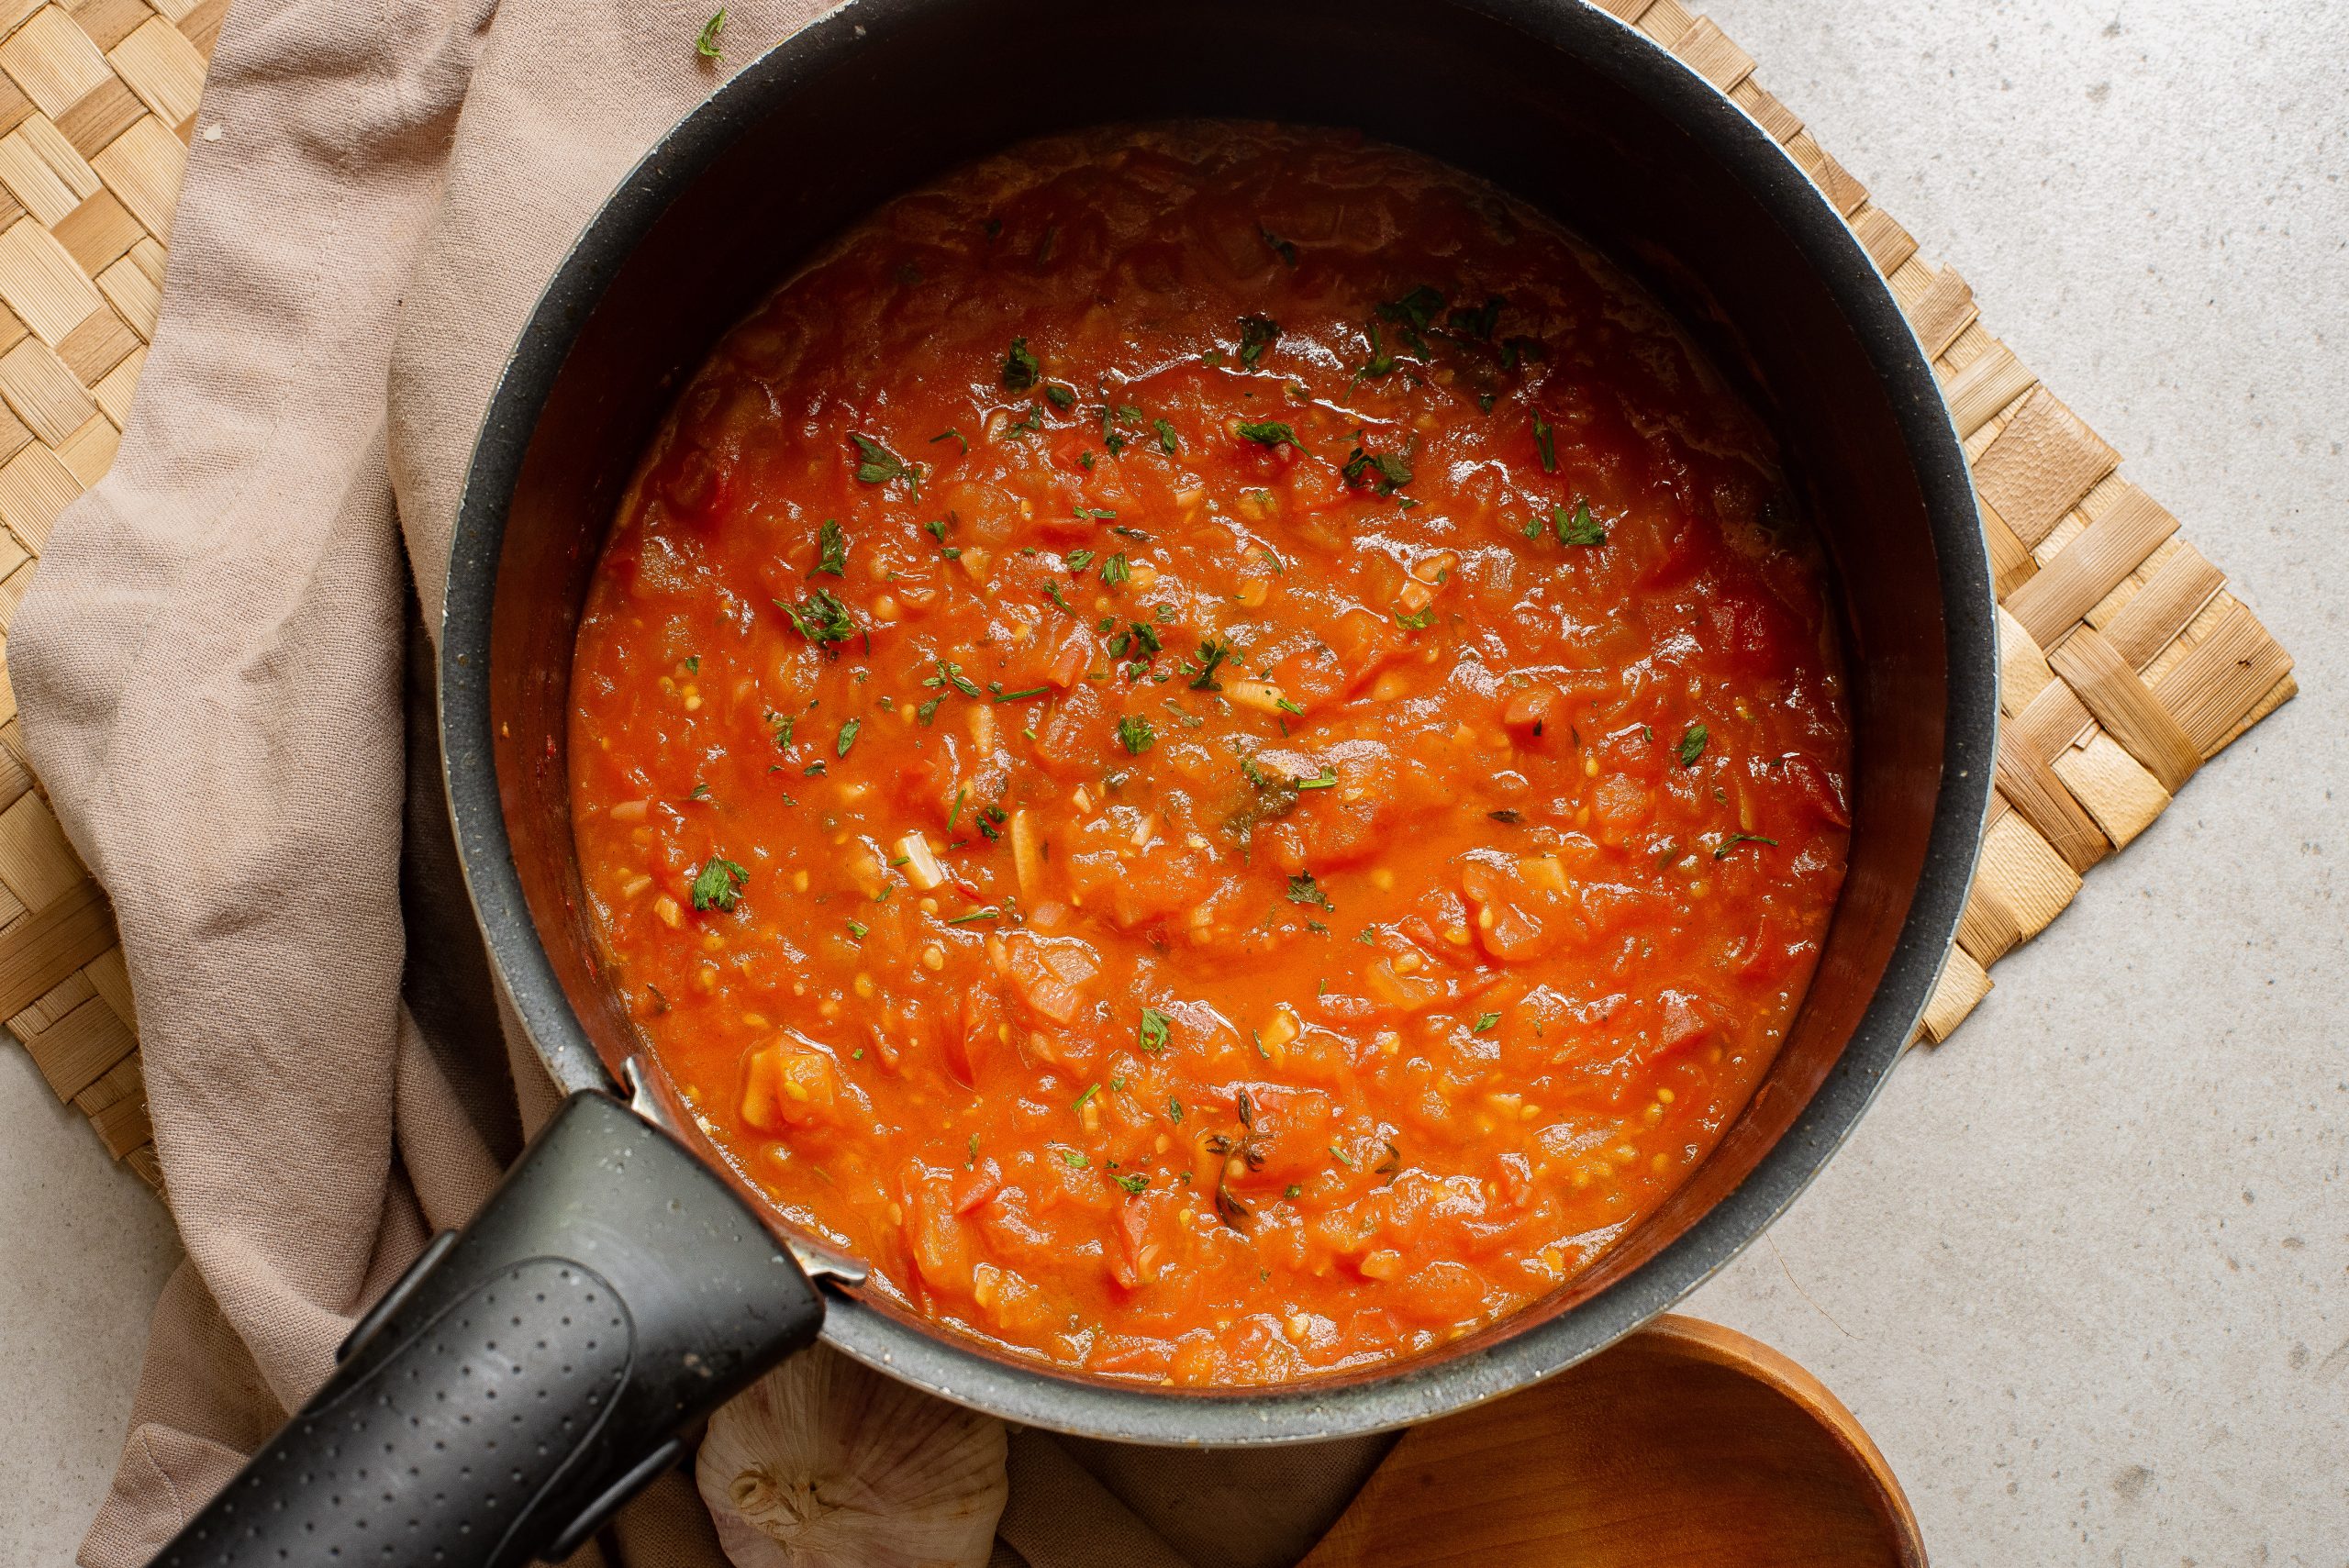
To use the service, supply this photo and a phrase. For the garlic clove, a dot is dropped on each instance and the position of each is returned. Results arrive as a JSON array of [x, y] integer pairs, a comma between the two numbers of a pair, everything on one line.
[[825, 1463]]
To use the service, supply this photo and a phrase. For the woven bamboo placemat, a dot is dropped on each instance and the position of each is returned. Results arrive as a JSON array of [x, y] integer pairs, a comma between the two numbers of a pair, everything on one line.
[[2125, 664]]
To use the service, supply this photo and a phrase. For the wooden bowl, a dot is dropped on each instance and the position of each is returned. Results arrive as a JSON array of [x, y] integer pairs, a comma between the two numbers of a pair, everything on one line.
[[1688, 1443]]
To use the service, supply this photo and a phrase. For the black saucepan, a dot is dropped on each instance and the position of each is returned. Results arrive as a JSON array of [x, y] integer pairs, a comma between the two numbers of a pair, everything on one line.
[[532, 1372]]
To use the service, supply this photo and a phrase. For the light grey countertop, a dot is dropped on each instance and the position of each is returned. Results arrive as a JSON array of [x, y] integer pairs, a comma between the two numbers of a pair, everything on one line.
[[2084, 1271]]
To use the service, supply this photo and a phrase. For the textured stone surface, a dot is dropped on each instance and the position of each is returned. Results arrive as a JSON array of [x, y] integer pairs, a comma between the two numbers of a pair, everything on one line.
[[2085, 1270]]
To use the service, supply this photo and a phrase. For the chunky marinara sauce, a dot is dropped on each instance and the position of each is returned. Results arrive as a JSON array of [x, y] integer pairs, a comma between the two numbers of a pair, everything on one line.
[[1216, 746]]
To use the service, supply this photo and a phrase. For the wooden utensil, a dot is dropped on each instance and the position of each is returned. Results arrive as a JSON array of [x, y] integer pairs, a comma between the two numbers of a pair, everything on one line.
[[1688, 1443]]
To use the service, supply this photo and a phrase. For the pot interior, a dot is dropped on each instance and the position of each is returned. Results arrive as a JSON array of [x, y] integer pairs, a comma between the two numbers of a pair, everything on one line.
[[1555, 102]]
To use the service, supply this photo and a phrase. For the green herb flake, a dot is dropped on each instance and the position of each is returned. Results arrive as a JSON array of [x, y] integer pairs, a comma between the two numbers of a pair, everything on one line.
[[859, 930], [1734, 840], [1326, 779], [958, 439], [1134, 1182], [1213, 651], [1545, 436], [1090, 1090], [821, 618], [1020, 369], [705, 44], [1074, 1158], [1478, 323], [1156, 1029], [1175, 1110], [1063, 398], [1279, 247], [719, 883], [1692, 745], [831, 549], [990, 913], [882, 466], [1078, 560], [1303, 889], [1581, 528], [1052, 591], [1134, 733], [848, 734], [1485, 1023], [1270, 433], [1257, 333], [1419, 622], [1115, 570], [1392, 472]]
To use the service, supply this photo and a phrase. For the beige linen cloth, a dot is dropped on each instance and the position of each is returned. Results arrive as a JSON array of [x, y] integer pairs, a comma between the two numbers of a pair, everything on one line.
[[224, 687]]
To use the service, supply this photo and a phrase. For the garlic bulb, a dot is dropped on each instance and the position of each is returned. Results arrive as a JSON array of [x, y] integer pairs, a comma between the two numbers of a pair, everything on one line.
[[823, 1463]]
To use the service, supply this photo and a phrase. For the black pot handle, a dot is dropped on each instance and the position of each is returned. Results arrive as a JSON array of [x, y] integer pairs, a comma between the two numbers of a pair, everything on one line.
[[529, 1374]]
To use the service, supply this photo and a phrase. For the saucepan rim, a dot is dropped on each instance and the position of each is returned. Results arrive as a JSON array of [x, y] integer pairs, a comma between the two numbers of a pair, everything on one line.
[[1413, 1390]]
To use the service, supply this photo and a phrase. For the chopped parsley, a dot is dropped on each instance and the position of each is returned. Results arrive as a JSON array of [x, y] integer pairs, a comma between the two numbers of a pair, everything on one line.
[[1020, 369], [1546, 438], [1166, 441], [1213, 651], [1380, 363], [1156, 1029], [1270, 433], [882, 466], [821, 618], [1303, 889], [1134, 1182], [1135, 735], [957, 437], [1692, 745], [848, 734], [1052, 591], [1326, 779], [1063, 398], [1412, 313], [1115, 570], [1257, 333], [1579, 528], [1420, 622], [705, 45], [719, 883], [1078, 560], [1477, 323], [831, 549], [1485, 1022], [1734, 840], [1392, 472], [1280, 247], [951, 675]]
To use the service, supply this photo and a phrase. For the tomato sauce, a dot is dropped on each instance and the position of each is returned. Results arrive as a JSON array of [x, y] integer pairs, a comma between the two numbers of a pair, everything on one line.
[[1213, 745]]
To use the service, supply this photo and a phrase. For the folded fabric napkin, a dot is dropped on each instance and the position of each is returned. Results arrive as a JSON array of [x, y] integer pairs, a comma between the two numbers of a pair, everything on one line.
[[225, 687]]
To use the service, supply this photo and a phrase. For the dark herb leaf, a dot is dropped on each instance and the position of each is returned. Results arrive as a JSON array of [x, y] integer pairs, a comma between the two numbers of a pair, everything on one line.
[[1020, 369], [1257, 333], [831, 549], [719, 883], [1271, 433], [881, 465]]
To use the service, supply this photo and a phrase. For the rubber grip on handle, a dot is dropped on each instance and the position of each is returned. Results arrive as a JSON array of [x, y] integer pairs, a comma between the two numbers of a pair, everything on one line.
[[523, 1381]]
